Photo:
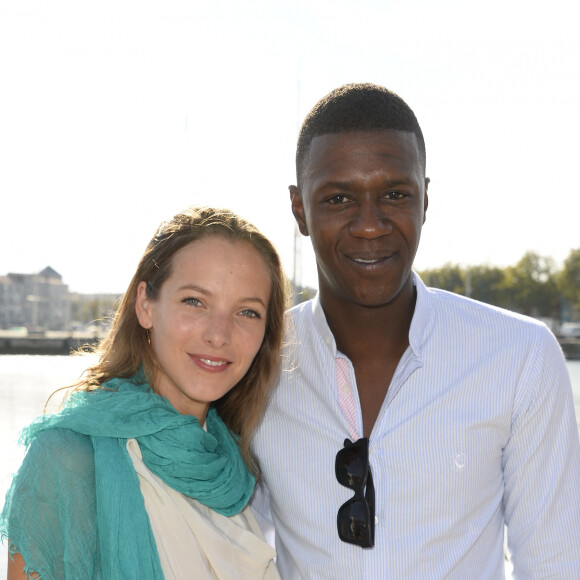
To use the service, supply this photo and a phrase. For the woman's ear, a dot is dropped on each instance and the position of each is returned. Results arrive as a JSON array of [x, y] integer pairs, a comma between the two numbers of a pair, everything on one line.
[[143, 306]]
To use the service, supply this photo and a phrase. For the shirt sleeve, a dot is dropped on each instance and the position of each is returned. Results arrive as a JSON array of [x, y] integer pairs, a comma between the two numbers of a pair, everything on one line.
[[541, 465], [50, 511]]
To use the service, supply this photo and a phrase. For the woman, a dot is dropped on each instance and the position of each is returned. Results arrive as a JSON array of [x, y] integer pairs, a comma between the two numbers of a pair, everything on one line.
[[146, 472]]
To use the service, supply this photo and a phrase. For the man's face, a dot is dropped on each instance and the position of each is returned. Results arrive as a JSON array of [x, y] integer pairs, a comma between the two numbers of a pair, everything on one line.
[[362, 201]]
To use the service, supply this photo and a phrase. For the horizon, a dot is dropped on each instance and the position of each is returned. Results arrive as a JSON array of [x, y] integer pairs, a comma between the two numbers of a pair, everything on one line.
[[450, 264]]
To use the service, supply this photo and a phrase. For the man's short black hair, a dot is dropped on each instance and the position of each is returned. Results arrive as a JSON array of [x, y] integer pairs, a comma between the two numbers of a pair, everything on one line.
[[357, 107]]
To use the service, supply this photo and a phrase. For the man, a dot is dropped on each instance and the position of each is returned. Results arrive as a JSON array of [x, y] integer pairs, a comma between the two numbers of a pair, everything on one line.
[[459, 416]]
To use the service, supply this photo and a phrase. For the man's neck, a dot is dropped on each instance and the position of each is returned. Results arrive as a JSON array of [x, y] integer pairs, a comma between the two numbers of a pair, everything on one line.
[[362, 333]]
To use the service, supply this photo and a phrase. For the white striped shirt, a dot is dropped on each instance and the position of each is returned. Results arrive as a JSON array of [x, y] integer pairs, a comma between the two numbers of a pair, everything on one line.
[[477, 432]]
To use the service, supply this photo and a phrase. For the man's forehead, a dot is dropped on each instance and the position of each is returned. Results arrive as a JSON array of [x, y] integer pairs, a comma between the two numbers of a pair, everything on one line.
[[347, 146], [368, 135]]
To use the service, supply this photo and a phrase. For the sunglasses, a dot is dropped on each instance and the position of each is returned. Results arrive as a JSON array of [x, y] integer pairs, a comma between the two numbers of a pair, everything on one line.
[[356, 517]]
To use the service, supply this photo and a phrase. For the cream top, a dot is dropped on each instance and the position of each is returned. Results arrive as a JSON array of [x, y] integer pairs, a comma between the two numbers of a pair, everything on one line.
[[193, 541]]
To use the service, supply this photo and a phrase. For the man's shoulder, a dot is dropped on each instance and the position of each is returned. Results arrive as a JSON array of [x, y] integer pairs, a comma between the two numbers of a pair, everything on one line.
[[450, 307], [305, 317], [303, 308]]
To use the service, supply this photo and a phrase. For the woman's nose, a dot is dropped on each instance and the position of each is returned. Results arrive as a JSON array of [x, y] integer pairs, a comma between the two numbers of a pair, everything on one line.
[[217, 331]]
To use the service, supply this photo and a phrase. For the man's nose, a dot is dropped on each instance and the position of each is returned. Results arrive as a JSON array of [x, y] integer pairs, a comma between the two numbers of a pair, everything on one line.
[[371, 220]]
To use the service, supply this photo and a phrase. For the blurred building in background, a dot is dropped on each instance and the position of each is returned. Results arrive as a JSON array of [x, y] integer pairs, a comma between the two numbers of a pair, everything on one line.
[[34, 301], [42, 302]]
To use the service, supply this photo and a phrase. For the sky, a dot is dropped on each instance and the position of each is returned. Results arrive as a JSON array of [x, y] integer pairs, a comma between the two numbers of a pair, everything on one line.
[[115, 115]]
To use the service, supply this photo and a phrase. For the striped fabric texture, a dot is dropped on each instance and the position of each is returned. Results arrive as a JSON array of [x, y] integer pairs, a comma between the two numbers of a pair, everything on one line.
[[477, 432]]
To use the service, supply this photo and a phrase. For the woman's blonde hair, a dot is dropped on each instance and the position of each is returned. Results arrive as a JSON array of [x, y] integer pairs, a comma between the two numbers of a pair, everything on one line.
[[126, 346]]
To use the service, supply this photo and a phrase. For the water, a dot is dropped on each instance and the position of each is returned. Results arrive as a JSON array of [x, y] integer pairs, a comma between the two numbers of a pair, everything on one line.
[[26, 383]]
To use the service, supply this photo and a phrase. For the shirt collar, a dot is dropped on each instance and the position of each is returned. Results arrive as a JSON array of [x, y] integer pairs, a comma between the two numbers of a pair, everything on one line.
[[419, 323], [421, 317], [321, 325]]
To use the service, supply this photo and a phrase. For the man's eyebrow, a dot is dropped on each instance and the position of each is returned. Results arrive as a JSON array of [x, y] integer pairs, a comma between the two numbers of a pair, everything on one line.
[[351, 185], [337, 185]]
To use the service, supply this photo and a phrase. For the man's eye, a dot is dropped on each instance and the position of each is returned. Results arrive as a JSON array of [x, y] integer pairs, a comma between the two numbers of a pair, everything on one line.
[[338, 199], [394, 195]]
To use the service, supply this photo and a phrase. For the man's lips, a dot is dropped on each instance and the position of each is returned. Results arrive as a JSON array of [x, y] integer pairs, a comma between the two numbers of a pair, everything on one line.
[[369, 260]]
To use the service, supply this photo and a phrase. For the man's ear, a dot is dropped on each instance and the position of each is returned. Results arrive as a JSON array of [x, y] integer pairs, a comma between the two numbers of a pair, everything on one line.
[[298, 209], [426, 200], [143, 306]]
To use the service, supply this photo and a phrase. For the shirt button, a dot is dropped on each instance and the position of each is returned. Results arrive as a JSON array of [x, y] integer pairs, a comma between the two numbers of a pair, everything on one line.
[[376, 519], [346, 388]]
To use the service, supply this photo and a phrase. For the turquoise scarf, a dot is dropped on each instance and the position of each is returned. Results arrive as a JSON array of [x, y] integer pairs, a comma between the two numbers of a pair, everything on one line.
[[205, 465]]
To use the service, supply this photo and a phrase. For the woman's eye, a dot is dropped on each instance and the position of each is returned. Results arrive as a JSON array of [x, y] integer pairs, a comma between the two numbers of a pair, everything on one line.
[[192, 301], [248, 313]]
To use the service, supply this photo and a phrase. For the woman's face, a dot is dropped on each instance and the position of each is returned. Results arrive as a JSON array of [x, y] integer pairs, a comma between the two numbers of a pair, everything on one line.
[[207, 322]]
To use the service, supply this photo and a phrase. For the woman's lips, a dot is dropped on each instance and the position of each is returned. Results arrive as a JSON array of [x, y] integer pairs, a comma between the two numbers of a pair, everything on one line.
[[212, 364]]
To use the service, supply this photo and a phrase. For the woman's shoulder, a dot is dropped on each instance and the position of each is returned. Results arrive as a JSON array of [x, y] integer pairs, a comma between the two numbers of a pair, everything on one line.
[[62, 449], [51, 507]]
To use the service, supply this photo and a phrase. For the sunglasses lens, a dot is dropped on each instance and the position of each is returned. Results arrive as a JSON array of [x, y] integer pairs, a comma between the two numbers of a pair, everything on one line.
[[352, 464], [356, 518], [353, 523]]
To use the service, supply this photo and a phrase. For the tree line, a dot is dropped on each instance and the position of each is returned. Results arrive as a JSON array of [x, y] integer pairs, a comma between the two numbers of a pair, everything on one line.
[[534, 286]]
